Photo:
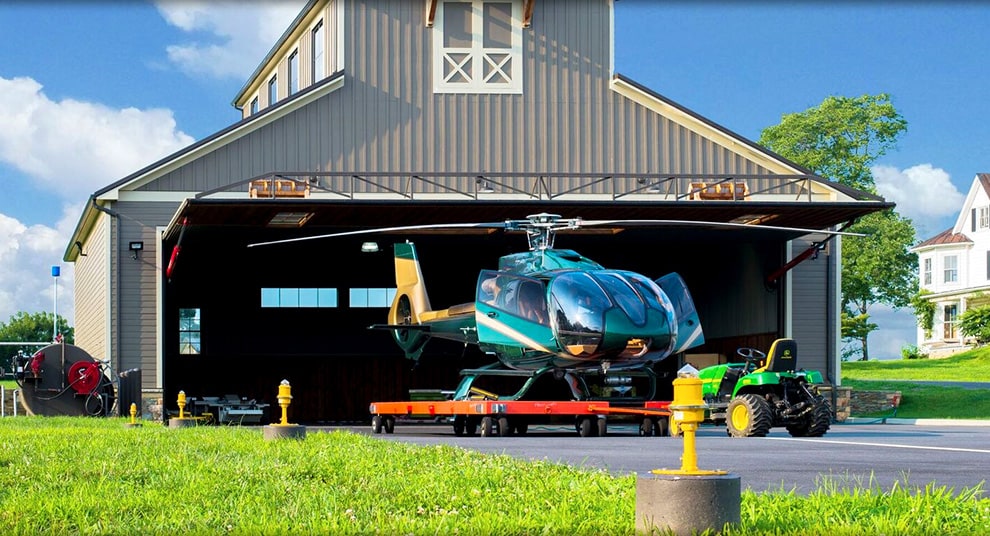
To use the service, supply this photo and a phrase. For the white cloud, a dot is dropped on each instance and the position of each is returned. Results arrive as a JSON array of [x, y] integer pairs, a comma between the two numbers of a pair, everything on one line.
[[237, 35], [70, 149], [74, 148], [27, 254], [923, 193]]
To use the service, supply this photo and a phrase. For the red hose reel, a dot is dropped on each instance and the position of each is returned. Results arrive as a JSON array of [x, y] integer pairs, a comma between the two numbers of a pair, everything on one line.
[[84, 377]]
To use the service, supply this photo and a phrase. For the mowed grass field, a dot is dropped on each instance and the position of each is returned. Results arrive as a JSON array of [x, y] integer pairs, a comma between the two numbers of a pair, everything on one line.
[[919, 400], [77, 475]]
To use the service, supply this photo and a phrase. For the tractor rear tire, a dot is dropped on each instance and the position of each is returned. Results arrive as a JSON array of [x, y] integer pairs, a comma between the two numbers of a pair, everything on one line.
[[817, 423], [748, 415]]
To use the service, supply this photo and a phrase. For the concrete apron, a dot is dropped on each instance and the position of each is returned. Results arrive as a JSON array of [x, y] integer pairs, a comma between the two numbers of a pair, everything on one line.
[[686, 504]]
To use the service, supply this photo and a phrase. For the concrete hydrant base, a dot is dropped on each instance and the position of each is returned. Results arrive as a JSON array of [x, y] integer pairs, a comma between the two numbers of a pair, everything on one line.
[[176, 422], [685, 504], [285, 431]]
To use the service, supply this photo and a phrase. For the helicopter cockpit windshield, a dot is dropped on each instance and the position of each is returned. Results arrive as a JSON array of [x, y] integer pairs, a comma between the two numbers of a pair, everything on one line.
[[578, 306]]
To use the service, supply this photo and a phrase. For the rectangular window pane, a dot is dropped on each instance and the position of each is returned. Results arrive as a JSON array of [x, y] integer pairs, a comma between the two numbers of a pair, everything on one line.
[[457, 25], [294, 72], [273, 90], [328, 297], [288, 297], [377, 297], [269, 297], [308, 297], [318, 47], [359, 297], [189, 331], [391, 295], [498, 25], [254, 105]]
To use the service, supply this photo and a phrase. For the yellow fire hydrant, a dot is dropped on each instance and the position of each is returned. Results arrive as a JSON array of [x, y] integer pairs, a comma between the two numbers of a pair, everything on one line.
[[182, 404], [688, 411], [284, 399], [133, 413]]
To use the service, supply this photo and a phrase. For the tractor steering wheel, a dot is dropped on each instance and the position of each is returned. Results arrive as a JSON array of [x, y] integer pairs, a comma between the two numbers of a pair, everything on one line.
[[752, 356]]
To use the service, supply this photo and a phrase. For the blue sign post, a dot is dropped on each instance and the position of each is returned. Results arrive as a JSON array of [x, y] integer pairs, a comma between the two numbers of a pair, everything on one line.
[[56, 271]]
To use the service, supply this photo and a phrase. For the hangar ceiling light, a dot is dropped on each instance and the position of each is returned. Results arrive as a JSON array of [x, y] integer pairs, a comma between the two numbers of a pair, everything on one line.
[[290, 219]]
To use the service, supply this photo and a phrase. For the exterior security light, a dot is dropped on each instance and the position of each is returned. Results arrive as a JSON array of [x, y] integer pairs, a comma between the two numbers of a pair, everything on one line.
[[134, 248], [369, 247]]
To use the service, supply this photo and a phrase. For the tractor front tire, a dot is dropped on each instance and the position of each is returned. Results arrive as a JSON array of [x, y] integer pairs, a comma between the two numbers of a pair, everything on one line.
[[817, 423], [748, 415]]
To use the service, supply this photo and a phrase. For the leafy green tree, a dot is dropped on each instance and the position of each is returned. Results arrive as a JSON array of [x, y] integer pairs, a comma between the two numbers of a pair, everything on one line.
[[877, 267], [976, 323], [24, 327], [840, 139], [856, 327]]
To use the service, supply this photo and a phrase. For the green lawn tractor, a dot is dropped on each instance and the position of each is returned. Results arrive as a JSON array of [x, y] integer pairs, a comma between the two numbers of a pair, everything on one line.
[[765, 391]]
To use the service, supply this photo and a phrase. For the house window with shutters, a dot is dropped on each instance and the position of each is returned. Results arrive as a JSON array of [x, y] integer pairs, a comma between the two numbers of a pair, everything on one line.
[[477, 47], [984, 217], [926, 272]]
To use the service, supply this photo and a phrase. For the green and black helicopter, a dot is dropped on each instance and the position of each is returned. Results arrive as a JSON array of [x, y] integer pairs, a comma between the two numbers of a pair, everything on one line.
[[547, 310]]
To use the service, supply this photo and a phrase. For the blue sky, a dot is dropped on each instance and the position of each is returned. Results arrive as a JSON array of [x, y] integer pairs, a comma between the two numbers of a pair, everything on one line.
[[91, 91]]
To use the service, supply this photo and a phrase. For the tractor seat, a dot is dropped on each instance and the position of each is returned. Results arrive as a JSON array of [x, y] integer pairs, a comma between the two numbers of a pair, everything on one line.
[[782, 356]]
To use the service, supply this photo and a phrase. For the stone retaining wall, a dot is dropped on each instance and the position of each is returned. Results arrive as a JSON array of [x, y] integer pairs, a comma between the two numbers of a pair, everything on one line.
[[860, 402]]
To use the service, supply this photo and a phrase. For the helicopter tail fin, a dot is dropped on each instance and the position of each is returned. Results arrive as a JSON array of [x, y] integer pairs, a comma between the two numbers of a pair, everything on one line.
[[689, 333], [410, 302]]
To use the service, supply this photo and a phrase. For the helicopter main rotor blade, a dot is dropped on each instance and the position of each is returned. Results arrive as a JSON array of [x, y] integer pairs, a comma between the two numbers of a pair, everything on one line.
[[710, 224], [490, 225]]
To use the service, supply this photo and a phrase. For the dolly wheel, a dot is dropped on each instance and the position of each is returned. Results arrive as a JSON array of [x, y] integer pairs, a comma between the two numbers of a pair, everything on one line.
[[646, 427], [389, 424], [376, 424], [504, 427], [487, 426]]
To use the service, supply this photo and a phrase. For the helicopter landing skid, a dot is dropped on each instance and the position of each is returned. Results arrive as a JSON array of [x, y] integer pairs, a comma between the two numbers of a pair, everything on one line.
[[576, 382]]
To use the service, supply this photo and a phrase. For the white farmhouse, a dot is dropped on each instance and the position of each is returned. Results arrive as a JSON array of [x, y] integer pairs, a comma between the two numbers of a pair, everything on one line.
[[954, 266]]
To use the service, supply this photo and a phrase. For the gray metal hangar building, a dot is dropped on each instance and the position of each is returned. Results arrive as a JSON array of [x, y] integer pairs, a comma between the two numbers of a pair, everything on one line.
[[385, 113]]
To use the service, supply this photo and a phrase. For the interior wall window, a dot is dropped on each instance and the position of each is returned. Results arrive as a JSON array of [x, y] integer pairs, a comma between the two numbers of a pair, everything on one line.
[[371, 297], [294, 72], [477, 47], [319, 47], [190, 340], [926, 272], [273, 90], [949, 319], [950, 271], [254, 105], [298, 298]]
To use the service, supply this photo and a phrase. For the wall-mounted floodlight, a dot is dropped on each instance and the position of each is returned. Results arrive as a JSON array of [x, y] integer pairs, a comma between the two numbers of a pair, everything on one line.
[[484, 185], [369, 247], [134, 248]]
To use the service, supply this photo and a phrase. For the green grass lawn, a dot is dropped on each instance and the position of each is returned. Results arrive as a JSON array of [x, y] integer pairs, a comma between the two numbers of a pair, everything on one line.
[[78, 475], [919, 401]]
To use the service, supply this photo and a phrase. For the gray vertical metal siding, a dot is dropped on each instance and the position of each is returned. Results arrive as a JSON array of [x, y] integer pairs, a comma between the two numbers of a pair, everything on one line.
[[90, 293], [809, 303], [138, 286], [387, 118]]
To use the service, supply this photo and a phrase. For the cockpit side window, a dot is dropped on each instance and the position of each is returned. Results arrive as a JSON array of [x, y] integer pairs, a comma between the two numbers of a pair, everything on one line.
[[519, 296]]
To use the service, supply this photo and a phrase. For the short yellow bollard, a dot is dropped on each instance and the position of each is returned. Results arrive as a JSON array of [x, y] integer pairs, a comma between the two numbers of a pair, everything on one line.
[[182, 420], [133, 422], [283, 429], [284, 399], [687, 500], [182, 404]]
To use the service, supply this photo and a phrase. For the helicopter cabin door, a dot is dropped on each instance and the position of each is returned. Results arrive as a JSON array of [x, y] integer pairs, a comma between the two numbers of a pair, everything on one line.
[[689, 333], [512, 315]]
